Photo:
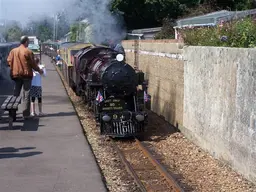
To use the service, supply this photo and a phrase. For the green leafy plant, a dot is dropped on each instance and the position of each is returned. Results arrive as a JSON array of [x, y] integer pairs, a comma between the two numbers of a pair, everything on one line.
[[237, 33], [167, 31], [74, 30]]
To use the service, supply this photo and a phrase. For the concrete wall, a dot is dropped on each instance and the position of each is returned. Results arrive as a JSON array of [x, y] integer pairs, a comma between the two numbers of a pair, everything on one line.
[[163, 66], [219, 104], [210, 92]]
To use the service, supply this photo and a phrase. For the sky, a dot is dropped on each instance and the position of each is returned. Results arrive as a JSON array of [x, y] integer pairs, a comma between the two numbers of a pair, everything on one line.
[[22, 10], [96, 11]]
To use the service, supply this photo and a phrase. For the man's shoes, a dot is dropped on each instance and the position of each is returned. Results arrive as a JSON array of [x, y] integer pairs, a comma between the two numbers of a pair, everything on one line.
[[41, 114]]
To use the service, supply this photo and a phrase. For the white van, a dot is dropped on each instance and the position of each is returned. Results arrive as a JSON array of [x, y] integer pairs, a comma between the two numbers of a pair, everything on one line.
[[33, 40]]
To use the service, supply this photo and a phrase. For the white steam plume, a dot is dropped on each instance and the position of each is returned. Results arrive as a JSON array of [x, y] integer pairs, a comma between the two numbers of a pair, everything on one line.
[[105, 25]]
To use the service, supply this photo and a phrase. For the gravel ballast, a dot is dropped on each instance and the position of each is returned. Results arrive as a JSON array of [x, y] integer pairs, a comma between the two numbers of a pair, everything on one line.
[[196, 169]]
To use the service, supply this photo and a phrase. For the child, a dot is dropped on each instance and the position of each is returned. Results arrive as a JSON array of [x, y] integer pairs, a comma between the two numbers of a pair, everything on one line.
[[36, 90]]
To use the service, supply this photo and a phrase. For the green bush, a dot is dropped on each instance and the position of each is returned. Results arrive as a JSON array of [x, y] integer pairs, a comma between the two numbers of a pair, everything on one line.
[[167, 31], [74, 30], [239, 33]]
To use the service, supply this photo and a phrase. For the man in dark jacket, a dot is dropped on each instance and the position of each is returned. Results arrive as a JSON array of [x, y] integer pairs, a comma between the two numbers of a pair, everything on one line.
[[22, 62]]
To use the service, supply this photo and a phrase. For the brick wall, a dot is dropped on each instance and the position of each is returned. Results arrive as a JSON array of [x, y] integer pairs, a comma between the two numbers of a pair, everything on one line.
[[163, 67]]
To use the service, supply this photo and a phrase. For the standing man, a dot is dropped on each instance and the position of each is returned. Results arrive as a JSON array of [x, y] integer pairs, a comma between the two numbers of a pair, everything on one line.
[[21, 61]]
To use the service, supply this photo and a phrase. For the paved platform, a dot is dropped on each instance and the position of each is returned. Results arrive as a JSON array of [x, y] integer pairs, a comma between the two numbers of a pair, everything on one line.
[[50, 154]]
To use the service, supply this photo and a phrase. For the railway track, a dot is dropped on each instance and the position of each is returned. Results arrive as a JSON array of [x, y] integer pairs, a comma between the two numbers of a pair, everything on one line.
[[147, 172]]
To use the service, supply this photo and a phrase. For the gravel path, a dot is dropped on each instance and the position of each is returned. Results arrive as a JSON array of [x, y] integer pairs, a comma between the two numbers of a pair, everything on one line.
[[196, 170]]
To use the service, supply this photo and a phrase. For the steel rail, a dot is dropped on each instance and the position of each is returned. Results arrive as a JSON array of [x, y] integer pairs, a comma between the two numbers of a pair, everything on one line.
[[130, 169], [159, 167]]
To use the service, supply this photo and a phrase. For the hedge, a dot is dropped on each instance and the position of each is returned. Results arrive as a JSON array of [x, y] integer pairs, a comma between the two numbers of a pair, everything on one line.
[[237, 33]]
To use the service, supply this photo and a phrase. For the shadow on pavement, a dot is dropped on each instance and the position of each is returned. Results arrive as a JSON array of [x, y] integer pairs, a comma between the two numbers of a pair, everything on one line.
[[20, 124], [31, 125], [60, 114], [11, 152]]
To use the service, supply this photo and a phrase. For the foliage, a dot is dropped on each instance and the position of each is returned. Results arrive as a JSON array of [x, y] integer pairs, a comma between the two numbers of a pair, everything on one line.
[[150, 13], [230, 4], [74, 30], [167, 31], [197, 10], [63, 25], [239, 33], [144, 14], [13, 32], [42, 28]]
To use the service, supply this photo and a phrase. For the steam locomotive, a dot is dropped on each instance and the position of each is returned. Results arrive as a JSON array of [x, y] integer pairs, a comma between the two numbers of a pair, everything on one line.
[[113, 89]]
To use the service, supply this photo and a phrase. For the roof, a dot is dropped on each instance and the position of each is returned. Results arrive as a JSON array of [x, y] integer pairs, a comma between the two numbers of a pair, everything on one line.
[[135, 34], [5, 44], [69, 44], [33, 46], [147, 30], [84, 21], [51, 42], [213, 18], [69, 33]]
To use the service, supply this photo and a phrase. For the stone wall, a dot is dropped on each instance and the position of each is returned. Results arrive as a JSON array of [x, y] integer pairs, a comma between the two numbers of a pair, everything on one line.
[[209, 91], [219, 104]]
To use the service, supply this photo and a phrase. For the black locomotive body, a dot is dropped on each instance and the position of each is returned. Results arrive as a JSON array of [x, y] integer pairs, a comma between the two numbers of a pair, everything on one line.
[[111, 89]]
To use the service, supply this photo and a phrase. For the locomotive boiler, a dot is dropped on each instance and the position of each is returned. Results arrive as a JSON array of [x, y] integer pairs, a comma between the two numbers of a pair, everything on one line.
[[113, 90]]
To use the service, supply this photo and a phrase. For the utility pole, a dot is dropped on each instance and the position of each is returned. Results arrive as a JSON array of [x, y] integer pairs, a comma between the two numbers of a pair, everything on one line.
[[56, 27], [3, 18]]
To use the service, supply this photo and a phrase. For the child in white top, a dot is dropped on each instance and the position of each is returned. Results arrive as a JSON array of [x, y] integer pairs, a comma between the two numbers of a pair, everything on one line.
[[36, 89]]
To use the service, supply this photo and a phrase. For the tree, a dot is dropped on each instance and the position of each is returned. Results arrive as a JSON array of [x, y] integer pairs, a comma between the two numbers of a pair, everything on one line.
[[151, 13], [63, 25], [13, 32], [230, 4], [74, 30], [167, 31], [42, 28]]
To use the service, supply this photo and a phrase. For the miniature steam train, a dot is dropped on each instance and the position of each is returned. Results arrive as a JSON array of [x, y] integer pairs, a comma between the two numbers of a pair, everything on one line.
[[109, 86]]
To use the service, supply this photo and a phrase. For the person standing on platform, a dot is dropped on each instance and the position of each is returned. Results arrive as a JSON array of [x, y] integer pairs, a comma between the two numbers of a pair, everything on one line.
[[36, 90], [21, 61]]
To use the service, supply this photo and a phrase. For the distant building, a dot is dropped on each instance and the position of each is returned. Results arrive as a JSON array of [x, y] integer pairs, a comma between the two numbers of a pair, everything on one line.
[[148, 33], [211, 19], [2, 39], [84, 31], [66, 38]]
